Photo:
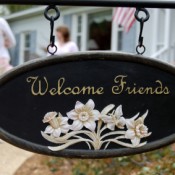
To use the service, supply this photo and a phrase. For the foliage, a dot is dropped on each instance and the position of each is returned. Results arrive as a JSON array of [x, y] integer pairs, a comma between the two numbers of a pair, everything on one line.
[[16, 8], [159, 162]]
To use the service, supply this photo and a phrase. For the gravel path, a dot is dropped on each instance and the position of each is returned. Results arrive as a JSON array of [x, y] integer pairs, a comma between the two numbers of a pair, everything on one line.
[[11, 158]]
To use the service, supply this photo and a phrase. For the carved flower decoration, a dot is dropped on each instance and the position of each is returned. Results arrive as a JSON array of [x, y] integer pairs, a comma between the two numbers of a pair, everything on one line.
[[136, 129], [84, 115], [113, 119], [92, 127], [49, 117], [57, 125]]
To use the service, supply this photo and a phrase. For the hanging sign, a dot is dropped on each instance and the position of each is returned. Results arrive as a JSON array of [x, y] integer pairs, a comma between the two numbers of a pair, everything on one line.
[[89, 105]]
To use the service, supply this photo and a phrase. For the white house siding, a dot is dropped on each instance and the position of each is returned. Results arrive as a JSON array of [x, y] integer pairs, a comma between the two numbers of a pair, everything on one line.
[[160, 36], [67, 20], [129, 40], [40, 28], [172, 38]]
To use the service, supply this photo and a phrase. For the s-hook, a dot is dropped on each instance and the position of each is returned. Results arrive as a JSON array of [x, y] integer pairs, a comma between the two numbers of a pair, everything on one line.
[[140, 49], [52, 48]]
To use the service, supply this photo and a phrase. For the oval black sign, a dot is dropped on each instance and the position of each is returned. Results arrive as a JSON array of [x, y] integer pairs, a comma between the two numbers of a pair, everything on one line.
[[89, 105]]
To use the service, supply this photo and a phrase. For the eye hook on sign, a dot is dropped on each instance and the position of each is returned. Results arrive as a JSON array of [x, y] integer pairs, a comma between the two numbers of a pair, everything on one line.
[[52, 48], [142, 20]]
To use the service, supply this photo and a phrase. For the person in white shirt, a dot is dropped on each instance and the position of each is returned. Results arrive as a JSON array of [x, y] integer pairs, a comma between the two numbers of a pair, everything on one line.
[[7, 40], [64, 45]]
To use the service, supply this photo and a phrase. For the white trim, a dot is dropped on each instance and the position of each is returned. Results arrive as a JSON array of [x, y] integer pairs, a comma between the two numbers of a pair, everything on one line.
[[166, 50], [167, 32], [85, 31], [32, 12], [21, 52], [65, 10], [167, 27], [155, 29], [25, 13], [79, 11], [74, 28], [114, 35]]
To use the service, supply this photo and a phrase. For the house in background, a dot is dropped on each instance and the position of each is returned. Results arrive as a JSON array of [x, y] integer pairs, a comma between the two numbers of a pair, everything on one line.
[[92, 28]]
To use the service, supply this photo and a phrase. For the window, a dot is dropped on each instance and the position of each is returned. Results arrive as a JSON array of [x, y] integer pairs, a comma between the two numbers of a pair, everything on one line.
[[94, 30], [79, 31], [99, 31], [120, 38], [27, 46]]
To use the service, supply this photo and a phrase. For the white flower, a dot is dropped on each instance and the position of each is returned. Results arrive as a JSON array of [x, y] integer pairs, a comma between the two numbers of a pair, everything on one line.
[[57, 125], [136, 129], [114, 119], [84, 115], [49, 117]]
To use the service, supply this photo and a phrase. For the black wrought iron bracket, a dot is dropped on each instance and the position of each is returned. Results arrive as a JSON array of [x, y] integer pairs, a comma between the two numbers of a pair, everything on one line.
[[105, 3]]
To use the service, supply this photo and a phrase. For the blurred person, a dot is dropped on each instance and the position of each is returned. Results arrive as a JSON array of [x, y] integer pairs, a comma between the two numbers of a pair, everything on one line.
[[7, 40], [64, 44]]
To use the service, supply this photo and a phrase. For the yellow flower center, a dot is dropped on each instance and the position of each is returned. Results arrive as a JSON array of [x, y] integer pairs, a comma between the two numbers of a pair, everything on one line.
[[141, 130], [83, 116], [55, 123]]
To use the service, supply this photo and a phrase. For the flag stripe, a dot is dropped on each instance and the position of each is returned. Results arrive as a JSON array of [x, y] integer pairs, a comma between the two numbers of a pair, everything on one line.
[[125, 17], [131, 18]]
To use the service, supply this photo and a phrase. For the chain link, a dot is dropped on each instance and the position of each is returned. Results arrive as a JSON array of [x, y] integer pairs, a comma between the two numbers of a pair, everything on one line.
[[140, 49], [52, 48]]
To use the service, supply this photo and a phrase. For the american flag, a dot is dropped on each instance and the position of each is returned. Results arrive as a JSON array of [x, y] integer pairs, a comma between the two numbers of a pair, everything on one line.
[[125, 17]]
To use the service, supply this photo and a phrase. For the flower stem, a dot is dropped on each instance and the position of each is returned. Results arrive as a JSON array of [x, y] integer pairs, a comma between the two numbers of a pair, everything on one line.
[[87, 142], [122, 143], [99, 127], [74, 133], [66, 145], [114, 133], [103, 129]]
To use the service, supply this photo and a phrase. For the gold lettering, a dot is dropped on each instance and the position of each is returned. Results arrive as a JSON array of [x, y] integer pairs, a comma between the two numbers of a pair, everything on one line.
[[119, 80], [149, 90], [122, 86], [100, 91], [141, 91], [131, 90], [76, 90], [160, 89], [91, 90], [67, 91], [38, 87], [61, 82], [88, 90], [166, 91], [53, 91]]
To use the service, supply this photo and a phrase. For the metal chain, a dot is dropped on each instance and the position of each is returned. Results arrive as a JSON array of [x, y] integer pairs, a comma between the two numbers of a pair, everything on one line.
[[52, 48], [140, 49]]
